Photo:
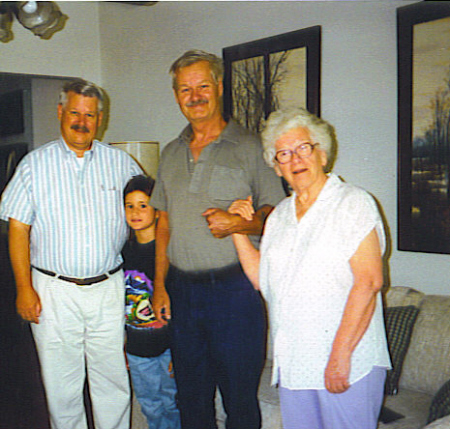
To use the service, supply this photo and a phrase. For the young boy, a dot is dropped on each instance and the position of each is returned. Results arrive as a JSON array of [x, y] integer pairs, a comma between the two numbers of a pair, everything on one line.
[[147, 343]]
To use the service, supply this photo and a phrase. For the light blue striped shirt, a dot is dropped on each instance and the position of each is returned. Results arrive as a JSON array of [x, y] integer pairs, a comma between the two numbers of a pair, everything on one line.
[[75, 208]]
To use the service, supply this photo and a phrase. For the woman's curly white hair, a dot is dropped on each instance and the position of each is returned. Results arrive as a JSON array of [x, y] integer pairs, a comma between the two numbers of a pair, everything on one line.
[[282, 121]]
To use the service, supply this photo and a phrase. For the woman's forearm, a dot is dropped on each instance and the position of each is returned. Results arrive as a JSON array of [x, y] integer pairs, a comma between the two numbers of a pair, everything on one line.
[[248, 257], [356, 318], [366, 265]]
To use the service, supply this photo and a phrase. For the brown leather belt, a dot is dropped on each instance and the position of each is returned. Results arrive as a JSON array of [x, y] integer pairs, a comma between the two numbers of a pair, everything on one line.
[[81, 282]]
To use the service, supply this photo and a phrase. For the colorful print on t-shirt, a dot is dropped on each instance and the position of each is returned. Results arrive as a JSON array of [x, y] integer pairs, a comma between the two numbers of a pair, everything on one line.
[[138, 302]]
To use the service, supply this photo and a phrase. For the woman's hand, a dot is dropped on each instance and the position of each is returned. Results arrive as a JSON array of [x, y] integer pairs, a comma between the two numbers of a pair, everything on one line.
[[337, 372], [243, 208]]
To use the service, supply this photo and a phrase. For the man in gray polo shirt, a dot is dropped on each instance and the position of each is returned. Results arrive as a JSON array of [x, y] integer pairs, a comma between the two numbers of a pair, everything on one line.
[[218, 319]]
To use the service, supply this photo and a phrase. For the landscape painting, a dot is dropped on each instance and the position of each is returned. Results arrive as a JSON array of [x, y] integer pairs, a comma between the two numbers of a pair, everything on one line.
[[268, 74], [424, 128]]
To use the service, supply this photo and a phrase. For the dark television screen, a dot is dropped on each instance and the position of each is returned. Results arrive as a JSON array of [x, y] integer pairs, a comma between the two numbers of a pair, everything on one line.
[[11, 113]]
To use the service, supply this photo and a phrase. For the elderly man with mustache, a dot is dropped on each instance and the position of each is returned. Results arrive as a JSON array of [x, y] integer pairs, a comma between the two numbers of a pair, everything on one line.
[[217, 316], [66, 231]]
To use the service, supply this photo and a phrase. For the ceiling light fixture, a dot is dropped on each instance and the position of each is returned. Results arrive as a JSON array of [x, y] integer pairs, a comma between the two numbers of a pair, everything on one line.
[[43, 18]]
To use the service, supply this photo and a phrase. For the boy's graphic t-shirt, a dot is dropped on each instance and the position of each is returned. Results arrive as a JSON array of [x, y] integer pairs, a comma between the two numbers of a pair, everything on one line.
[[138, 305], [146, 337]]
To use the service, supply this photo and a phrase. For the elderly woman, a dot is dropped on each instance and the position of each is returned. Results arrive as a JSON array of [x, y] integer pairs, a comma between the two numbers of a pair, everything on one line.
[[320, 271]]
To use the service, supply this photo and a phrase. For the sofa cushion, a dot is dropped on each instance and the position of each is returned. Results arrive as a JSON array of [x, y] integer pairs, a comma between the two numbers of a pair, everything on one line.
[[443, 423], [399, 326], [440, 406], [427, 365], [413, 405], [397, 296]]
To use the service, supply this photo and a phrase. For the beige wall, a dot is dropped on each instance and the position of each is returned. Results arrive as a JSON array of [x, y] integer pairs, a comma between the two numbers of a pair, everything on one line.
[[44, 99], [359, 86], [138, 44]]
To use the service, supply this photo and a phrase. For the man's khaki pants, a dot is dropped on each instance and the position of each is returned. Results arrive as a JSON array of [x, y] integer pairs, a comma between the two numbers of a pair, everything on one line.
[[82, 327]]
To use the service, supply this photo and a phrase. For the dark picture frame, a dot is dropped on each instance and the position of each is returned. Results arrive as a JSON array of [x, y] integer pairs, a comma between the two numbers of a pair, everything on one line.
[[11, 113], [424, 127], [266, 74]]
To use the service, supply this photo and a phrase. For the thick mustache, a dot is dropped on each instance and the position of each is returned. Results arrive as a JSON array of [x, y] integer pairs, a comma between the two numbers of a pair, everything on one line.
[[81, 128], [196, 102]]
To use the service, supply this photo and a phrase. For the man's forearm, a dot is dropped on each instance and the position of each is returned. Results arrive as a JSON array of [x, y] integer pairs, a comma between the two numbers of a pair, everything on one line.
[[256, 225], [162, 242], [28, 303], [161, 301], [222, 223], [19, 251]]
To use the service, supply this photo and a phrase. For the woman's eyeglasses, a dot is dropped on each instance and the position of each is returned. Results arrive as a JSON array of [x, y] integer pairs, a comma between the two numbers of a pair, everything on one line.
[[303, 151]]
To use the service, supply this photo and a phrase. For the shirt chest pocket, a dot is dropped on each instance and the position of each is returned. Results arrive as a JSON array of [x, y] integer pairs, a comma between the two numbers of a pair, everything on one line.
[[111, 197], [228, 184]]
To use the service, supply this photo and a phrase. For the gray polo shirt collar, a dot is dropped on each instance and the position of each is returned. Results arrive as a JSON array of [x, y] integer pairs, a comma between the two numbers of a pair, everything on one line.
[[229, 133]]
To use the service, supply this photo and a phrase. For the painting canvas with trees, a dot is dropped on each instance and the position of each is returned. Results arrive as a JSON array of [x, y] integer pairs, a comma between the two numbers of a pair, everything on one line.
[[267, 74], [285, 86], [424, 127]]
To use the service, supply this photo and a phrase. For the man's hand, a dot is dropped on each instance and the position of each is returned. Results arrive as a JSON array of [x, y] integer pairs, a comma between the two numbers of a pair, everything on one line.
[[28, 305], [220, 222], [161, 304]]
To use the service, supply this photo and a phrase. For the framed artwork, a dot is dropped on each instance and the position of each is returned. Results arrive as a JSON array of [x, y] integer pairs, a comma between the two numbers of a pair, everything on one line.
[[424, 127], [267, 74]]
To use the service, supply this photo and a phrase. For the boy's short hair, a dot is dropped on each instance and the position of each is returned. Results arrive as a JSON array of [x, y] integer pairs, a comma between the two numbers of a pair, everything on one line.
[[141, 183]]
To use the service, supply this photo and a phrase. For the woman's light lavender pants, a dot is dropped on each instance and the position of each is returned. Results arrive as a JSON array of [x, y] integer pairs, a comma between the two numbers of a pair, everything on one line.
[[356, 408]]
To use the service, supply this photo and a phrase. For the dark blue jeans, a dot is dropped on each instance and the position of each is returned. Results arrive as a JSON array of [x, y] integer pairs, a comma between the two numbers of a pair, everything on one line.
[[219, 336]]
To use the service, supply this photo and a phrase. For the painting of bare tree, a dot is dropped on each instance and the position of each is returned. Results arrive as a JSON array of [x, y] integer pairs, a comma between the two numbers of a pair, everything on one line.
[[284, 89], [424, 127], [268, 74], [248, 92], [288, 89]]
